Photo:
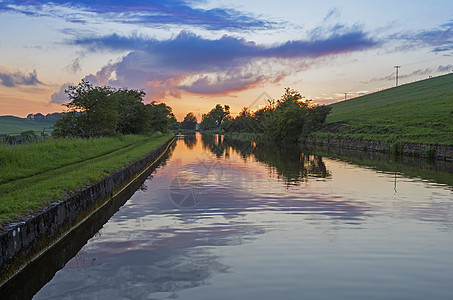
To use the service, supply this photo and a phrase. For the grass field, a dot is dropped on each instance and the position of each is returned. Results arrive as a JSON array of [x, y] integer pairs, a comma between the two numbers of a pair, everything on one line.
[[14, 125], [420, 112], [33, 175]]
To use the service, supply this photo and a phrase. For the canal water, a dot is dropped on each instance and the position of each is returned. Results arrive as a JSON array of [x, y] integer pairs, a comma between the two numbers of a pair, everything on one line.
[[221, 219]]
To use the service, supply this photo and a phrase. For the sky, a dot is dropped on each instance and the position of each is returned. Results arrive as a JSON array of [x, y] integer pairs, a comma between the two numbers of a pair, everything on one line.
[[193, 55]]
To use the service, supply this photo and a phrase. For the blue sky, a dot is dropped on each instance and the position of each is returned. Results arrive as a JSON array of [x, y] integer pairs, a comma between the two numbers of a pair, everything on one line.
[[195, 54]]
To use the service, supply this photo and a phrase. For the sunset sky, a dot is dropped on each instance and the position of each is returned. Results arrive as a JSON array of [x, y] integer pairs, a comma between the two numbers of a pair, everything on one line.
[[195, 54]]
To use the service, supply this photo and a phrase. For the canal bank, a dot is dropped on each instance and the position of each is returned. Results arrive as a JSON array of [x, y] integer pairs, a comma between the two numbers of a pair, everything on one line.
[[24, 241], [438, 152]]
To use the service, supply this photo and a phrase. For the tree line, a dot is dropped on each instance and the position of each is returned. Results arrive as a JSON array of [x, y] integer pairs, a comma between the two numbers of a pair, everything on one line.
[[284, 120], [95, 111]]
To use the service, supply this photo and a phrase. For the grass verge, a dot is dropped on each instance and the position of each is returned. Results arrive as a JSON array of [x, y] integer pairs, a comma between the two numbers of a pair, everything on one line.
[[37, 174], [420, 112]]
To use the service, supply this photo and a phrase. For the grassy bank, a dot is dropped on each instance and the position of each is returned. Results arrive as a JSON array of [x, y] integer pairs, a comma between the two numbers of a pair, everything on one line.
[[14, 125], [35, 174], [420, 112]]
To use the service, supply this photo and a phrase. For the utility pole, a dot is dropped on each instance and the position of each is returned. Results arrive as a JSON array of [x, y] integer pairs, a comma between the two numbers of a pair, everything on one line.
[[397, 67]]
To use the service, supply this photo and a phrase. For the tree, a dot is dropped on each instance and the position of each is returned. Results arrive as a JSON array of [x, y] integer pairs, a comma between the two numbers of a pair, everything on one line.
[[160, 117], [213, 119], [131, 116], [189, 122], [285, 120], [91, 112], [284, 123], [104, 111], [219, 113], [39, 116], [28, 136], [292, 117]]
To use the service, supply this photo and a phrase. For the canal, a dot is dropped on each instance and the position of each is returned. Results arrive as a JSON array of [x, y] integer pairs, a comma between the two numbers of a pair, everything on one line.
[[222, 219]]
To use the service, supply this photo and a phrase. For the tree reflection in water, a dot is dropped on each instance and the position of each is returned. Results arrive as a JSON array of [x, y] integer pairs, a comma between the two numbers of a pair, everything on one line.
[[288, 161], [190, 140]]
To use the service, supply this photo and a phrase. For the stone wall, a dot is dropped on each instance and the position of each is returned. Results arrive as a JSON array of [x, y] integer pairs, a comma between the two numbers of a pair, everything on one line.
[[439, 152], [22, 241]]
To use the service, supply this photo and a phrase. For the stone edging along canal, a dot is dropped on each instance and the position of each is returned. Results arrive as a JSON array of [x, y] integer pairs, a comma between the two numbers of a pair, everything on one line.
[[24, 241], [439, 152]]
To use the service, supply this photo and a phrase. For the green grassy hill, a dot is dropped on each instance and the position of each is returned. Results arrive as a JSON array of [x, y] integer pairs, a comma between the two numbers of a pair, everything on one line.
[[420, 112], [14, 125]]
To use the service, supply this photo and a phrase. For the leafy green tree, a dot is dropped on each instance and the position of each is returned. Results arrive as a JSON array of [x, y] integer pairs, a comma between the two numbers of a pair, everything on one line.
[[28, 136], [160, 117], [219, 113], [189, 122], [285, 120], [207, 122], [315, 119], [72, 124], [105, 111], [291, 117], [213, 119], [131, 111], [90, 112]]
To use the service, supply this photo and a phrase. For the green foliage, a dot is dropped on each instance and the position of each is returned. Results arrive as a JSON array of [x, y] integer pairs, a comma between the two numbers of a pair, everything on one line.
[[315, 119], [28, 136], [104, 111], [213, 119], [159, 117], [10, 139], [246, 121], [25, 137], [419, 112], [207, 123], [430, 153], [189, 122], [285, 120], [396, 148]]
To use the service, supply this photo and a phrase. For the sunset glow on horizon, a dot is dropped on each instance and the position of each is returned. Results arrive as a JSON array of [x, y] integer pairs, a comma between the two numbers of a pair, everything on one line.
[[193, 55]]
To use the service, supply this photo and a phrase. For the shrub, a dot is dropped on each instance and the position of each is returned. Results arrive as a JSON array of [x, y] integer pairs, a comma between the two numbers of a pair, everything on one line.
[[430, 153]]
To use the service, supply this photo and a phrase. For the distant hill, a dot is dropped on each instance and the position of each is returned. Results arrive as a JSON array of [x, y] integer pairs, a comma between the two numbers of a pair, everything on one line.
[[420, 112], [14, 125]]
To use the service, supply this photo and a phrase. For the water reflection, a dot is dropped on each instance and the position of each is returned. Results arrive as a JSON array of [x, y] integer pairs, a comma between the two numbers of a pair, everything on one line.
[[288, 161], [413, 167], [190, 140], [225, 219]]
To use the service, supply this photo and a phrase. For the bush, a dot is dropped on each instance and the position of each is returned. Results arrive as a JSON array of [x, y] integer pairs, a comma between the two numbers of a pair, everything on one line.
[[396, 148], [28, 136], [430, 153]]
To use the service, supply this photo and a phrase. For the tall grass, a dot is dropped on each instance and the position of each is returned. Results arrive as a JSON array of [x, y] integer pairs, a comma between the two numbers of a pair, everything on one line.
[[37, 174]]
